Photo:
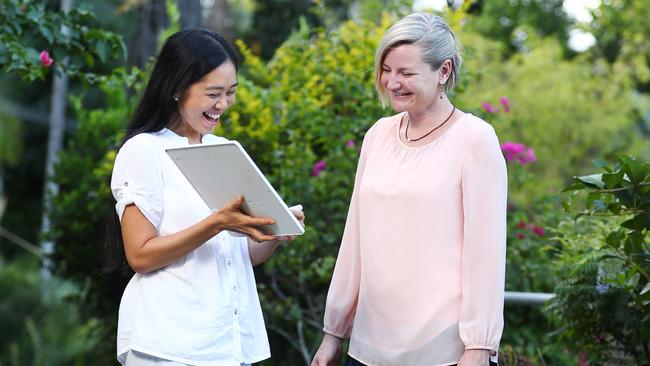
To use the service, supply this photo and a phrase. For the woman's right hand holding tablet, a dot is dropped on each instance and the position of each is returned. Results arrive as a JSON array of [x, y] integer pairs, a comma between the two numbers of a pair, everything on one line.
[[232, 218]]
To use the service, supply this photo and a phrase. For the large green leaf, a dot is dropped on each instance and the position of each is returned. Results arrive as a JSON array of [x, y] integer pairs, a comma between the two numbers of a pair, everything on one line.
[[591, 181]]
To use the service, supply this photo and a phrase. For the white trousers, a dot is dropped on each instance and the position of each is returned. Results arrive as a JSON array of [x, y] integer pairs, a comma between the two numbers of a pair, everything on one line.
[[134, 358]]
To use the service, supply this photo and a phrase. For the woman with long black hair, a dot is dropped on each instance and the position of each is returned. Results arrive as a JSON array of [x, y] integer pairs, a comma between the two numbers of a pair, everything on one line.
[[192, 300]]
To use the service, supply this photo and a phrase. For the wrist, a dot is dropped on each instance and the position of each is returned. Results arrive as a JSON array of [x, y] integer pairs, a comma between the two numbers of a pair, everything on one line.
[[478, 351], [332, 338], [216, 223]]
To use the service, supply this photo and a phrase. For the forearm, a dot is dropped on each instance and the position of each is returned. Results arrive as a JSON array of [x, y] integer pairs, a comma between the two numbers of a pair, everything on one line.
[[159, 251], [260, 252]]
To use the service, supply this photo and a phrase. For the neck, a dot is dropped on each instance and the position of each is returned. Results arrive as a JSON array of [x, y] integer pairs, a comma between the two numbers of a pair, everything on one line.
[[179, 128], [431, 116]]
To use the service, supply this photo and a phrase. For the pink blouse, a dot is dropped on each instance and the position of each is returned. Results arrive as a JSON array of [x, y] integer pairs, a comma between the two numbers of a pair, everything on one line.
[[420, 273]]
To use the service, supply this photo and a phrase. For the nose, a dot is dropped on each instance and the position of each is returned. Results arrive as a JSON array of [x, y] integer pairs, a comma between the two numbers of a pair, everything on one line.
[[221, 103], [393, 82]]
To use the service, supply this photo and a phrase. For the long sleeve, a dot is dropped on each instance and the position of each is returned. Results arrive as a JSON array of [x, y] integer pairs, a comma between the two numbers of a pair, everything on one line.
[[341, 304], [484, 191]]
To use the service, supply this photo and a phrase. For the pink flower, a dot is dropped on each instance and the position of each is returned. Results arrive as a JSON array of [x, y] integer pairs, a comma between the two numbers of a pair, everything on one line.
[[489, 108], [350, 143], [521, 224], [520, 235], [505, 102], [530, 156], [519, 152], [538, 231], [46, 60], [318, 168], [512, 149]]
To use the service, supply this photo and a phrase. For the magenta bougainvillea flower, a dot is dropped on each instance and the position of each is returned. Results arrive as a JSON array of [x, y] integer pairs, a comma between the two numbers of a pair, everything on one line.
[[520, 236], [351, 143], [46, 60], [512, 149], [521, 224], [518, 152], [489, 108], [505, 102], [318, 168], [538, 231], [529, 157]]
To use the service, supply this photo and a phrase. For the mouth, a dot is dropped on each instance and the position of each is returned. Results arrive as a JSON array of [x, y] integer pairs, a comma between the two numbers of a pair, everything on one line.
[[399, 95], [211, 117]]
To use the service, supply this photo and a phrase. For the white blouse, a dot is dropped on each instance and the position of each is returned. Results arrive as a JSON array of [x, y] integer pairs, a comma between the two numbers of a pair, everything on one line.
[[202, 309]]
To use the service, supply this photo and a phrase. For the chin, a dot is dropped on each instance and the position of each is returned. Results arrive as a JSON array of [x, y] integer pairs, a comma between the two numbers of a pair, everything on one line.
[[398, 107]]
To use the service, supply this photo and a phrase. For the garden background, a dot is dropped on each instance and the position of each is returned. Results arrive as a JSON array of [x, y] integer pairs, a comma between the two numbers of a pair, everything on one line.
[[574, 124]]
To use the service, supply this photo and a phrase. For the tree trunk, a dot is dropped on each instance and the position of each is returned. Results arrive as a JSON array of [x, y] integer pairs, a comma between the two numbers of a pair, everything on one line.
[[220, 18], [190, 13], [152, 18], [54, 147]]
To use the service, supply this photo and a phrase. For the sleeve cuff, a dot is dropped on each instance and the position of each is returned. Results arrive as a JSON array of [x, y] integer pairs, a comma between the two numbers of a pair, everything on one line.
[[492, 349], [334, 334], [127, 198]]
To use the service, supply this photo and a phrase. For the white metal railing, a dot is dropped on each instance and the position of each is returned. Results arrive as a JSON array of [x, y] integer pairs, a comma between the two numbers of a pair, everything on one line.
[[15, 239], [511, 297], [527, 298]]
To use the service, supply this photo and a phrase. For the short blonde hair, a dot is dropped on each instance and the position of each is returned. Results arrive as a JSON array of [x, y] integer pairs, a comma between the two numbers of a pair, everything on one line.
[[434, 37]]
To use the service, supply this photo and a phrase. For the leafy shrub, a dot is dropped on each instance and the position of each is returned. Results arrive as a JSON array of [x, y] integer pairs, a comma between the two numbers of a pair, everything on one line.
[[603, 295], [39, 326], [79, 212], [27, 29], [302, 116]]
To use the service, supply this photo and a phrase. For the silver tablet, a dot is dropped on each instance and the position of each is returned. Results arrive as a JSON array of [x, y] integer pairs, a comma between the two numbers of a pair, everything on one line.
[[221, 172]]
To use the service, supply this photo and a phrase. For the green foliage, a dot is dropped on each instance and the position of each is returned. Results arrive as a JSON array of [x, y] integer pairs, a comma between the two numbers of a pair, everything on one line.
[[529, 267], [10, 146], [569, 111], [603, 299], [621, 27], [314, 101], [174, 16], [511, 21], [80, 211], [28, 27], [38, 326]]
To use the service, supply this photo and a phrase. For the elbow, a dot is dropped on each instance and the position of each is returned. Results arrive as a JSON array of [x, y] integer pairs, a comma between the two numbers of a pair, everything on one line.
[[257, 261], [140, 265]]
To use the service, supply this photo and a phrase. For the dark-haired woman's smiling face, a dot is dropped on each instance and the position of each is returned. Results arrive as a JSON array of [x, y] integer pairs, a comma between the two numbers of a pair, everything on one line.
[[205, 101]]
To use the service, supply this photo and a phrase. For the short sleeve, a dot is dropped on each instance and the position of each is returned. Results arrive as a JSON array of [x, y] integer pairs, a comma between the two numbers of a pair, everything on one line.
[[137, 180]]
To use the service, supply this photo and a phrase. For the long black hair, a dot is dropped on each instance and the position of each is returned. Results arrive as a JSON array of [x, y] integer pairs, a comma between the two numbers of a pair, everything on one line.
[[185, 58]]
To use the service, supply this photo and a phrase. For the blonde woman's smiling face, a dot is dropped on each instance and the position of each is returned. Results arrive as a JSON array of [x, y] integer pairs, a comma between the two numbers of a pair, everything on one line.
[[410, 83], [203, 103]]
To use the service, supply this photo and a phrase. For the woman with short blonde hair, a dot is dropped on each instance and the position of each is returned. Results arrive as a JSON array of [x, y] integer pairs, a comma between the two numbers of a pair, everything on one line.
[[419, 279]]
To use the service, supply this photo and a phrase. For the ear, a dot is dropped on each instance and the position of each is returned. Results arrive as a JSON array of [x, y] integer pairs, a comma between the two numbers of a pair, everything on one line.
[[445, 71]]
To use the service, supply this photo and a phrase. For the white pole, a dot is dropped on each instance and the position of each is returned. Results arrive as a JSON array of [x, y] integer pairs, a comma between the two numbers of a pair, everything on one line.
[[54, 147]]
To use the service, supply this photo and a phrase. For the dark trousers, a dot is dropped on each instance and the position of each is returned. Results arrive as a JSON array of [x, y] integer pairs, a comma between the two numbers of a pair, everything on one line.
[[352, 362]]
